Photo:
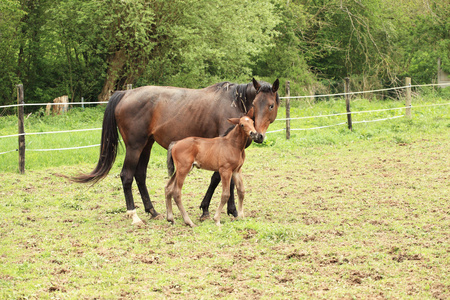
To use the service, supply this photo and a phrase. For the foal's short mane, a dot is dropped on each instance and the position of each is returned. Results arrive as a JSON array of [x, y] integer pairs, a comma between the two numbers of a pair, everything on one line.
[[228, 130]]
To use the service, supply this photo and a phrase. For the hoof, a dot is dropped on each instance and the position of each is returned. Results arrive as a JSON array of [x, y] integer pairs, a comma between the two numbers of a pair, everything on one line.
[[139, 224], [192, 225], [233, 213], [157, 217], [204, 217]]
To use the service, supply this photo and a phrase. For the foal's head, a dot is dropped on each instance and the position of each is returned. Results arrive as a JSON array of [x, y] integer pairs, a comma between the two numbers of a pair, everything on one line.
[[246, 125]]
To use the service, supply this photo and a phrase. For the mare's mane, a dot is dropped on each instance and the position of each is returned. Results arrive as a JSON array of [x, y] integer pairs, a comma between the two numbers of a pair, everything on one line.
[[239, 97], [237, 94]]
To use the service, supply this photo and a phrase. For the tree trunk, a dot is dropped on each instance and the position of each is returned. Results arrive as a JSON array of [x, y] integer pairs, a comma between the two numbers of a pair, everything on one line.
[[116, 63]]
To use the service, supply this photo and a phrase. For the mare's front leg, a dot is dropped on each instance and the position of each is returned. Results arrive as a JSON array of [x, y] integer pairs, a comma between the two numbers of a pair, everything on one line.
[[231, 207], [240, 191], [141, 176]]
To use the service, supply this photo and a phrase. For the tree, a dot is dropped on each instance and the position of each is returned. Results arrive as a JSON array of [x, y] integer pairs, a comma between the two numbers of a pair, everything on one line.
[[10, 16], [209, 41], [287, 59], [424, 37]]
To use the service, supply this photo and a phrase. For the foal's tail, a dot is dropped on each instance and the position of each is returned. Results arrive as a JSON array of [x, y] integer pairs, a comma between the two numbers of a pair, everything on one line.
[[170, 164], [109, 143]]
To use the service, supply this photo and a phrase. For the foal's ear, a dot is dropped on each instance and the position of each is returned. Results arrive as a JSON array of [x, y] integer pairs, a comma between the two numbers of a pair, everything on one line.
[[250, 113], [256, 84], [234, 121], [275, 85]]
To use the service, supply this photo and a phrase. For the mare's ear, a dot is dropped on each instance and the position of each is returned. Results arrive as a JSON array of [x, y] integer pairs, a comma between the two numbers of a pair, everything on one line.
[[234, 121], [275, 85], [256, 84], [250, 113]]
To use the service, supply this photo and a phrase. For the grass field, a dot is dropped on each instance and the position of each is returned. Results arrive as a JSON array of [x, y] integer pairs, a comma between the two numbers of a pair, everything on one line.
[[330, 214]]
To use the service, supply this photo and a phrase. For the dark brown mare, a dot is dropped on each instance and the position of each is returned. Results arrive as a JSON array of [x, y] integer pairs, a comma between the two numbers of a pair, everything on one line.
[[166, 114], [225, 154]]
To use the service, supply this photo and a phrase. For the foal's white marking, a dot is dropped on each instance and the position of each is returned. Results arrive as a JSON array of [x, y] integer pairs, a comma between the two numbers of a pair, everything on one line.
[[132, 214]]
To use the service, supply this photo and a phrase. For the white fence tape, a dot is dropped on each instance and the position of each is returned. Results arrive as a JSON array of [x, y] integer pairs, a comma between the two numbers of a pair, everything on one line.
[[71, 148], [343, 123], [50, 132], [366, 92]]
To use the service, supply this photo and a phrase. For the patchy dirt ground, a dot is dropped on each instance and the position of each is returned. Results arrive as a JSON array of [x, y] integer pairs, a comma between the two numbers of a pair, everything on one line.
[[367, 220]]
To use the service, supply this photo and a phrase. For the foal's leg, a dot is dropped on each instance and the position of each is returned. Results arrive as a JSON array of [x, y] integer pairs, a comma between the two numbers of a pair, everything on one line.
[[215, 180], [141, 176], [181, 174], [240, 191], [231, 207], [169, 194], [226, 179]]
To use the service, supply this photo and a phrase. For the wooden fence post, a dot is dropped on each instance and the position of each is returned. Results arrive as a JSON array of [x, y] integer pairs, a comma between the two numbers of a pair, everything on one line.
[[20, 101], [347, 101], [408, 97], [288, 110], [129, 86]]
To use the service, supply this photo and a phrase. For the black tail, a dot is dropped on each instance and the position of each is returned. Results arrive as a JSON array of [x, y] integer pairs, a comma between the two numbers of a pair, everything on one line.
[[170, 165], [109, 143]]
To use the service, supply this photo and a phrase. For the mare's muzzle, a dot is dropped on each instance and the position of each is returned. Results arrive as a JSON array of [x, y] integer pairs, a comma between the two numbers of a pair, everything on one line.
[[257, 137]]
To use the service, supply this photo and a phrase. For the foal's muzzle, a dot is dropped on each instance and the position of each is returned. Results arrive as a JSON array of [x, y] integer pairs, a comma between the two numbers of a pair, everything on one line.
[[257, 137]]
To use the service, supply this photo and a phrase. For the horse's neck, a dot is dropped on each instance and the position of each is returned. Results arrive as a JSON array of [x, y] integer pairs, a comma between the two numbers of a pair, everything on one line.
[[237, 137]]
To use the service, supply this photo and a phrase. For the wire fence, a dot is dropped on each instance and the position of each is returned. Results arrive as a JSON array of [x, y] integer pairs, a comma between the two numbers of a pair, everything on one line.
[[353, 112], [273, 131], [365, 92]]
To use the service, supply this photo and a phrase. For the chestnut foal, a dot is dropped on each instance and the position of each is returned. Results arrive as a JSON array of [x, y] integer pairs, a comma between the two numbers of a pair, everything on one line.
[[221, 154]]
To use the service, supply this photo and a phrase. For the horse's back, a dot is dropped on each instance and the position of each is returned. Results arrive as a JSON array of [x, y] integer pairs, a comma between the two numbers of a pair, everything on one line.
[[168, 114]]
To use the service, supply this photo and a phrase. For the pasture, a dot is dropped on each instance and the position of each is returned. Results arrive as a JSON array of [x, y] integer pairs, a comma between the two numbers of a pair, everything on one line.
[[329, 214]]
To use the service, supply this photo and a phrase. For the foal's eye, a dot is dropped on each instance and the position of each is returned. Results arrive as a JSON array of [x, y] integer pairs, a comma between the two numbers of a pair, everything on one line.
[[271, 106], [242, 125]]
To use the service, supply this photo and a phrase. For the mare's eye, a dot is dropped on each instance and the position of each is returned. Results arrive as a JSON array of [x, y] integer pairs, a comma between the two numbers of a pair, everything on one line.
[[242, 125], [271, 106]]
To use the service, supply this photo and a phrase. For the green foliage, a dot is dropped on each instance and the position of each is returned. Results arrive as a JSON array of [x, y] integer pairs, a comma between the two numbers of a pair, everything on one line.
[[88, 48]]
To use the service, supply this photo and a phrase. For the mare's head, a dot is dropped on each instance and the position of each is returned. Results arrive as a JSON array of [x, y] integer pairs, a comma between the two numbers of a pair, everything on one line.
[[245, 124], [265, 107]]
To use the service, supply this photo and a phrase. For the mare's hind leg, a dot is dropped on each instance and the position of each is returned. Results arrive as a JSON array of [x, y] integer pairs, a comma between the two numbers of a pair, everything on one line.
[[141, 176], [231, 207], [127, 174]]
